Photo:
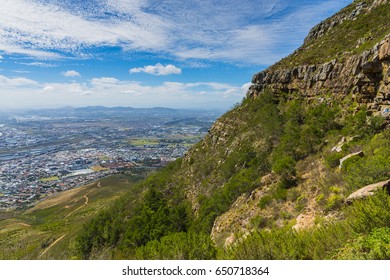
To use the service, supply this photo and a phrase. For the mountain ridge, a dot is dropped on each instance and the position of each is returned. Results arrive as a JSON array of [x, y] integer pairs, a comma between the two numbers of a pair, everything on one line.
[[266, 169], [267, 181]]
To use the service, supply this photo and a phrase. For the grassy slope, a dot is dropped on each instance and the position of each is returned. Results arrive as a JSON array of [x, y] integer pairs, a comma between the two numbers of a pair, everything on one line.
[[48, 230]]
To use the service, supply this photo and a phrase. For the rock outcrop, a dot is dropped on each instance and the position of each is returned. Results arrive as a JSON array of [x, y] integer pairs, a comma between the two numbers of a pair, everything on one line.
[[369, 190], [365, 76]]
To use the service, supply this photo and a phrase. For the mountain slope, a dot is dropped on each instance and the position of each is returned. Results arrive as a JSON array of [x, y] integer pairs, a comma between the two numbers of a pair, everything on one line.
[[265, 182]]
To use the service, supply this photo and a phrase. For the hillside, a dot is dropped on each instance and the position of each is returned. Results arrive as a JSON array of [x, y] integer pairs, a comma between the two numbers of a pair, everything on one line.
[[273, 177], [49, 229]]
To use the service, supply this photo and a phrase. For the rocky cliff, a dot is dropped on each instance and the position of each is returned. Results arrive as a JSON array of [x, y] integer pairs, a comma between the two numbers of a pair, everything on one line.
[[365, 75]]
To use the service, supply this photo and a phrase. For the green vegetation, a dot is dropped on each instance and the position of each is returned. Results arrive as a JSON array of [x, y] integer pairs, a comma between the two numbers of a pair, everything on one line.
[[179, 246], [363, 234], [98, 168], [144, 142], [158, 215], [49, 229], [49, 179]]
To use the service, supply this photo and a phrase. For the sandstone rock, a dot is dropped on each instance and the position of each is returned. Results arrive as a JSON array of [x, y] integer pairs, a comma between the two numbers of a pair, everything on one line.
[[384, 50], [369, 190], [229, 241], [268, 179], [338, 147], [258, 78], [360, 153], [304, 221], [285, 77]]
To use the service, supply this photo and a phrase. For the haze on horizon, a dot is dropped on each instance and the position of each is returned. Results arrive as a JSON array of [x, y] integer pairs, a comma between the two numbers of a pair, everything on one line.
[[145, 53]]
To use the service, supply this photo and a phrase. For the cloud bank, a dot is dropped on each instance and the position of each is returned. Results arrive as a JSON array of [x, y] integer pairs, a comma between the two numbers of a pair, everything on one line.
[[254, 31], [20, 92]]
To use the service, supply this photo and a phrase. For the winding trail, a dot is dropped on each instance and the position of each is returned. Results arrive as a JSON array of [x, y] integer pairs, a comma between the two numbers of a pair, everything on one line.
[[51, 245], [85, 203]]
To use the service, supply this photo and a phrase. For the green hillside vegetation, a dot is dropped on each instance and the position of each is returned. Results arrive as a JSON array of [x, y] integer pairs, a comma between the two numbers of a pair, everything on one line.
[[163, 217], [49, 229], [283, 136]]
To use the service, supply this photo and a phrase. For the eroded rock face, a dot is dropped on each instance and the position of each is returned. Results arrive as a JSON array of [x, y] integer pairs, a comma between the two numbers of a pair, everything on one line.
[[365, 76], [384, 50]]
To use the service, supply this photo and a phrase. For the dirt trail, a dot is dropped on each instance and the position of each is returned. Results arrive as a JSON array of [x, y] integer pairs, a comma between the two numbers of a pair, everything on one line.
[[85, 203], [51, 245]]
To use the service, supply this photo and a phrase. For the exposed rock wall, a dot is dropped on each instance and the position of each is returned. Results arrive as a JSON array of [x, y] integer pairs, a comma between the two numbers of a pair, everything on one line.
[[365, 76]]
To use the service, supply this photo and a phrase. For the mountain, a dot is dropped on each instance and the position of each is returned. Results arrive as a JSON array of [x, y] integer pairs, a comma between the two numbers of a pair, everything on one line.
[[272, 177], [278, 176]]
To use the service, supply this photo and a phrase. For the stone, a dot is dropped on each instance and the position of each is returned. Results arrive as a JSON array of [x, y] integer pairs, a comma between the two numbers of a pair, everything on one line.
[[338, 147], [384, 50], [372, 67], [360, 153], [369, 190], [258, 78]]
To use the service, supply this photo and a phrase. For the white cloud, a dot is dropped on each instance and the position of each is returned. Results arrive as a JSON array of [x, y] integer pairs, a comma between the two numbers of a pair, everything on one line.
[[71, 73], [252, 31], [39, 64], [157, 69], [48, 88], [16, 82], [245, 87], [28, 27], [109, 91]]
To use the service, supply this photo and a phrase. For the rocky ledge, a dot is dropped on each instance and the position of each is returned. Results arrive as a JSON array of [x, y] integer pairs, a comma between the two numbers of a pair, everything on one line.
[[366, 76]]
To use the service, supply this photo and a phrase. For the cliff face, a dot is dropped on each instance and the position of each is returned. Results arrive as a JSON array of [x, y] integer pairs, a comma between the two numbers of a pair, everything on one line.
[[365, 75]]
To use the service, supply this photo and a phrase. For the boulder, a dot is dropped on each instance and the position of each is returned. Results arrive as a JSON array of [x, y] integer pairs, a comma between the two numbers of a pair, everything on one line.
[[369, 190], [384, 50]]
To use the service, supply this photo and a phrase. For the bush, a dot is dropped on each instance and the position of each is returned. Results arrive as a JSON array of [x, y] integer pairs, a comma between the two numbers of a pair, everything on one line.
[[179, 246], [373, 167], [332, 160], [285, 167], [375, 246], [265, 201], [333, 202]]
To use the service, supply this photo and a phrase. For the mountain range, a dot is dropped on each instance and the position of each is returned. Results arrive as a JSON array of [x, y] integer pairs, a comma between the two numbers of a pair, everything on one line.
[[299, 170]]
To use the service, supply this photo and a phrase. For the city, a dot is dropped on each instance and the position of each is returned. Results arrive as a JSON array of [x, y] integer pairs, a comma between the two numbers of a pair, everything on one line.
[[48, 151]]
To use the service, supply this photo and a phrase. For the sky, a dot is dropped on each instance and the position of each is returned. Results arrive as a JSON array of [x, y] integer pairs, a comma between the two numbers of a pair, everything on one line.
[[145, 53]]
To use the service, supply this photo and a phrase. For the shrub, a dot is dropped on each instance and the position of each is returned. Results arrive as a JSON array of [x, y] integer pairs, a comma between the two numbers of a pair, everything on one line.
[[285, 167], [332, 160], [374, 246], [333, 202], [265, 201], [179, 246]]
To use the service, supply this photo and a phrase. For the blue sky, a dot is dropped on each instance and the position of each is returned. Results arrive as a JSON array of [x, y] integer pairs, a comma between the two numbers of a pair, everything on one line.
[[145, 53]]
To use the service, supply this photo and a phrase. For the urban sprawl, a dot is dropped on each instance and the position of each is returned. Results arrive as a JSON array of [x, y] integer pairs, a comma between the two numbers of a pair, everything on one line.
[[40, 156]]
